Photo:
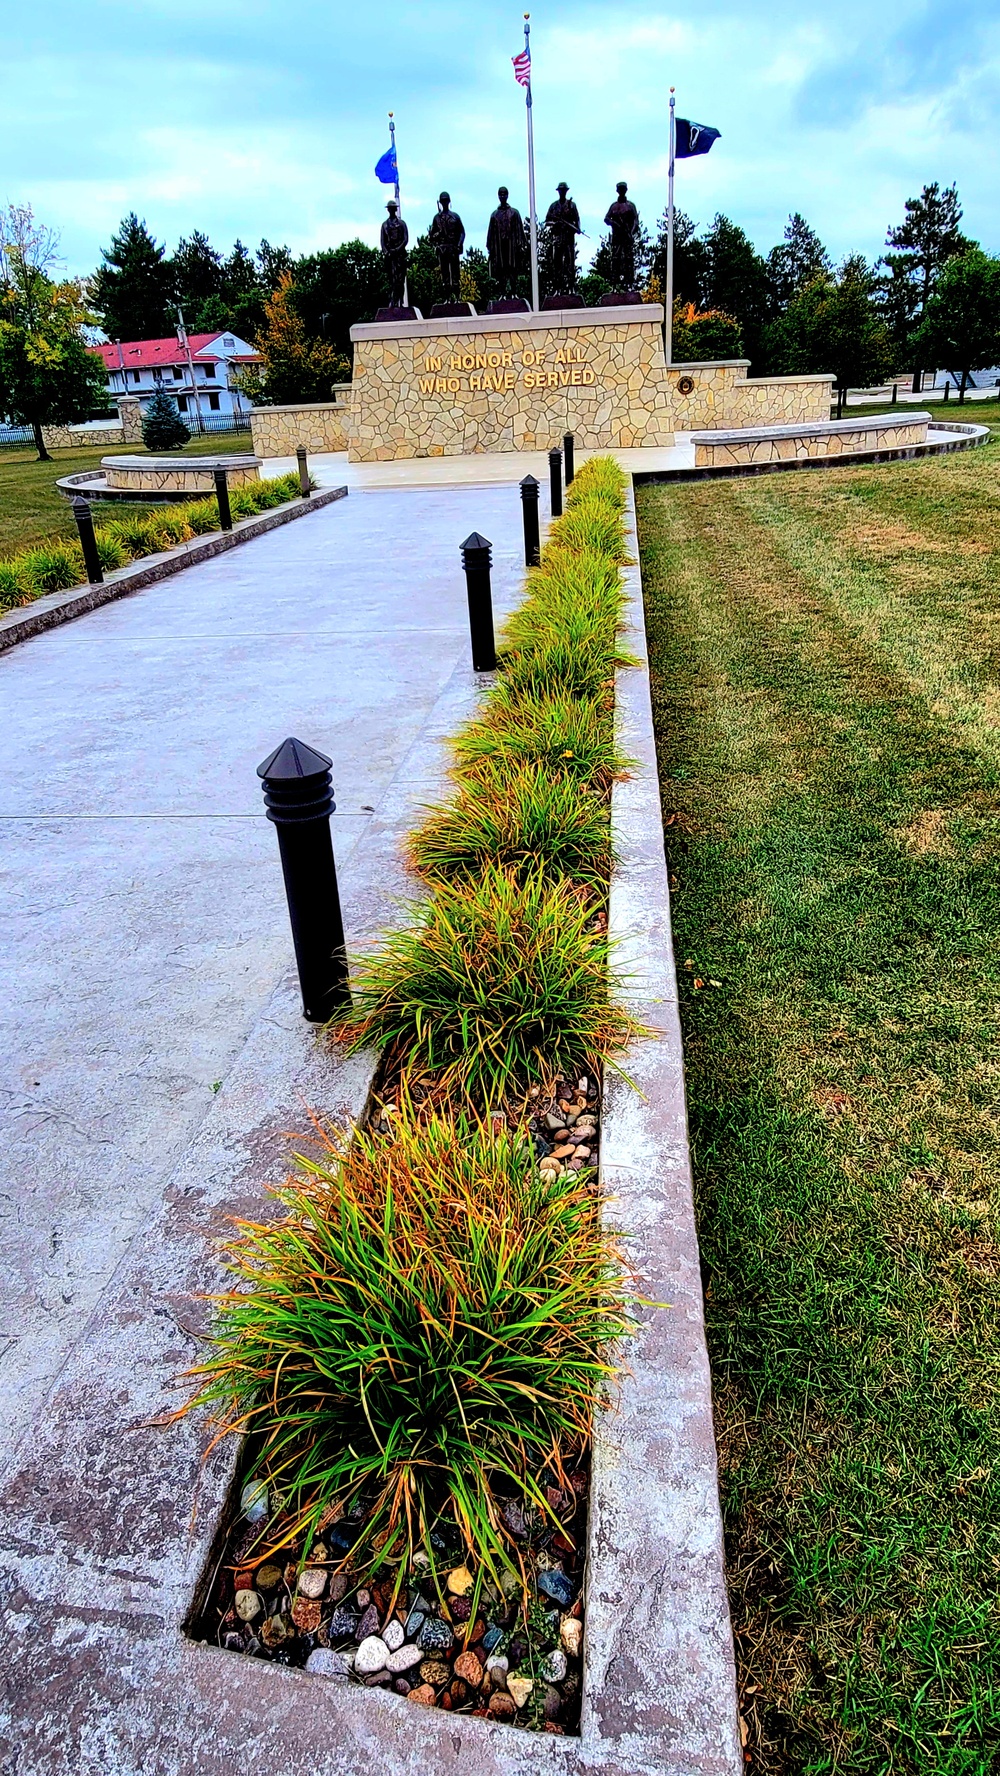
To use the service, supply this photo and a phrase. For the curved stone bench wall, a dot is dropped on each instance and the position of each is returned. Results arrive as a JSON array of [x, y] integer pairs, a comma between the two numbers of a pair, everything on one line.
[[186, 475], [843, 437]]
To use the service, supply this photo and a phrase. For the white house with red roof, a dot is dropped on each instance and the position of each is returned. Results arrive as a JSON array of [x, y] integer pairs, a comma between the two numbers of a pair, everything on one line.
[[141, 367]]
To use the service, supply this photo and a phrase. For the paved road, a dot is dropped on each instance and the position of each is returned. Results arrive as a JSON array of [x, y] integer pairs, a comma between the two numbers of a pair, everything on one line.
[[143, 917]]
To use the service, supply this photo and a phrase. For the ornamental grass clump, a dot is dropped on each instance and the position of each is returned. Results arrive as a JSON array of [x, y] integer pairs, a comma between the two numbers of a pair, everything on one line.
[[51, 567], [522, 819], [500, 982], [570, 737], [430, 1326], [14, 586]]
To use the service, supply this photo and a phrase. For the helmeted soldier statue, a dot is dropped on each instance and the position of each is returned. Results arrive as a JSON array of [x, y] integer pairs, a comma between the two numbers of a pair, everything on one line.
[[447, 237], [563, 223], [505, 244], [623, 221], [395, 238]]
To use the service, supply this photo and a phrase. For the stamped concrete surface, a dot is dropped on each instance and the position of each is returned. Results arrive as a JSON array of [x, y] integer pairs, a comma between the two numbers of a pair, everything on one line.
[[143, 912]]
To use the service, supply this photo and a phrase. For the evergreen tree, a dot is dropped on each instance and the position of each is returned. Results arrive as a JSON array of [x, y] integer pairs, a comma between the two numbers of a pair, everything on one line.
[[690, 267], [272, 263], [162, 425], [197, 275], [799, 259], [47, 374], [961, 323], [736, 282], [834, 325], [133, 289], [339, 287], [243, 292], [927, 238]]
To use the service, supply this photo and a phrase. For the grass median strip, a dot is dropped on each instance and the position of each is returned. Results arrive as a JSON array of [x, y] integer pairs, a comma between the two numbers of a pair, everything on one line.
[[830, 807]]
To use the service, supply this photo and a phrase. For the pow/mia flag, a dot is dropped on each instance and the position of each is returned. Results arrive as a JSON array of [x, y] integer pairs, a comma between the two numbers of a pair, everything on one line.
[[693, 138]]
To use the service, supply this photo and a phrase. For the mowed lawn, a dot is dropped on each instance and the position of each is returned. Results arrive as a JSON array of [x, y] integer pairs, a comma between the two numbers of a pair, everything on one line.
[[31, 506], [826, 664]]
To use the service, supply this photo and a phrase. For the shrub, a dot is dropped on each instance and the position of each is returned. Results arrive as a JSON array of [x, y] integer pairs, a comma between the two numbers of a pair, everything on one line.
[[431, 1319], [162, 425], [522, 819], [499, 983]]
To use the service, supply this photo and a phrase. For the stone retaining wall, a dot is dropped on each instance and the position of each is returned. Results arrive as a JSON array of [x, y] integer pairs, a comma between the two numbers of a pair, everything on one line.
[[318, 425], [789, 444], [126, 430], [723, 395]]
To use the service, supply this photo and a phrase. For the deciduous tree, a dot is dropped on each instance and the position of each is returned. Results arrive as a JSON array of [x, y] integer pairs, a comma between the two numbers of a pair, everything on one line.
[[47, 374], [961, 324], [295, 367]]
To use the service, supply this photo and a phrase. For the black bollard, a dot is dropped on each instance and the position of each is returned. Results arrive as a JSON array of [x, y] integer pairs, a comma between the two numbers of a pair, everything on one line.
[[476, 562], [568, 444], [947, 390], [895, 394], [298, 792], [529, 515], [304, 487], [88, 542], [555, 482], [222, 495]]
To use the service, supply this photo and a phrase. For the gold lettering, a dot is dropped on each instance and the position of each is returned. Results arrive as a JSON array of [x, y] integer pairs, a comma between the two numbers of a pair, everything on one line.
[[529, 376], [495, 360], [508, 379], [475, 382], [456, 360], [508, 360], [588, 375], [427, 385], [575, 376]]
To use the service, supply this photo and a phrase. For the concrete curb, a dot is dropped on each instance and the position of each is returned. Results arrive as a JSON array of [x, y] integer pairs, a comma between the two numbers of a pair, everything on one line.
[[61, 607], [730, 471], [101, 1560]]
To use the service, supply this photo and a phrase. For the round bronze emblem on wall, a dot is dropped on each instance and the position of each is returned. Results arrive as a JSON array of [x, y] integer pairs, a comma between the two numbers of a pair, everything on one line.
[[686, 385]]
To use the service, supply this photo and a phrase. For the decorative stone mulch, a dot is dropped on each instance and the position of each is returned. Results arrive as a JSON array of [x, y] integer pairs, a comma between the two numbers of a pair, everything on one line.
[[519, 1657]]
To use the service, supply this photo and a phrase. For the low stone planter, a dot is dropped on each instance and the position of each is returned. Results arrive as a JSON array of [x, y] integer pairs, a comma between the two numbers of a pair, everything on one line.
[[104, 1563], [788, 443]]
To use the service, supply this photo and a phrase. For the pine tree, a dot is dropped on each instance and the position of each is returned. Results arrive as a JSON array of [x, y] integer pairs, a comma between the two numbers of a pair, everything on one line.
[[162, 425], [928, 237], [197, 273], [800, 258], [133, 289]]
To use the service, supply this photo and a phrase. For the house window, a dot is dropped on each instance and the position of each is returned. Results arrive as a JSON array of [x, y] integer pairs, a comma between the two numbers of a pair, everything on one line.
[[178, 373], [136, 377], [209, 370], [213, 403], [228, 343], [182, 403]]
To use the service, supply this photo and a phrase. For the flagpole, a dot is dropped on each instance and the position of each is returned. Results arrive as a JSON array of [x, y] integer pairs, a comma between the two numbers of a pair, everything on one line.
[[668, 317], [533, 219], [399, 206]]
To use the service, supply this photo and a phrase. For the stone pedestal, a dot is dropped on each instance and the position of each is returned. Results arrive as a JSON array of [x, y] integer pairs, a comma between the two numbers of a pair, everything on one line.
[[510, 382]]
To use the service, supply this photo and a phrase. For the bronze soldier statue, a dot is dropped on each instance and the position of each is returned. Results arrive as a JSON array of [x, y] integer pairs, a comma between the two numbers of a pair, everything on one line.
[[563, 223], [505, 244], [623, 221], [395, 238], [447, 237]]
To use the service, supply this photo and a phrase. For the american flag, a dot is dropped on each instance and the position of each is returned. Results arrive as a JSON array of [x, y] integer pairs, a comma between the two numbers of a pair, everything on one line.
[[522, 67]]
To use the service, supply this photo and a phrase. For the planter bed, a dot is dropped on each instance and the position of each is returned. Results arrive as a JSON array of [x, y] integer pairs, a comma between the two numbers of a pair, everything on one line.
[[104, 1560]]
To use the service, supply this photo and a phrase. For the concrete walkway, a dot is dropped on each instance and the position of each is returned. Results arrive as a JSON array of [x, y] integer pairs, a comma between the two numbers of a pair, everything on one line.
[[144, 919]]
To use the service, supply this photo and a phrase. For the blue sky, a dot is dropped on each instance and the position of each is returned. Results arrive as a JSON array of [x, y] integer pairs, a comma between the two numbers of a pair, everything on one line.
[[265, 117]]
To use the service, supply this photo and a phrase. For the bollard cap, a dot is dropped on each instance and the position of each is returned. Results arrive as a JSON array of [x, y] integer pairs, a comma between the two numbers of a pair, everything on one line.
[[529, 482], [296, 780], [474, 542], [293, 758], [555, 451]]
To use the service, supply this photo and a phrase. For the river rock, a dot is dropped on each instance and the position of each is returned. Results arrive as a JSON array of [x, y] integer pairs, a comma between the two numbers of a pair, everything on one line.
[[460, 1581], [502, 1706], [324, 1663], [434, 1671], [435, 1636], [468, 1668], [343, 1622], [253, 1501], [312, 1581], [393, 1634], [556, 1585], [268, 1577], [371, 1656], [368, 1624], [248, 1605], [403, 1658], [423, 1693], [552, 1669], [520, 1689], [571, 1635]]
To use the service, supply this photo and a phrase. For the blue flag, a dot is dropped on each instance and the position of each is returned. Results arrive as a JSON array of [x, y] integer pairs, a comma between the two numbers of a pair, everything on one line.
[[693, 138], [387, 169]]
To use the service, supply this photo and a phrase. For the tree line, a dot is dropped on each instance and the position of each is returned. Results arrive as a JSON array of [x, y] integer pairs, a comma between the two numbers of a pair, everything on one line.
[[932, 300]]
